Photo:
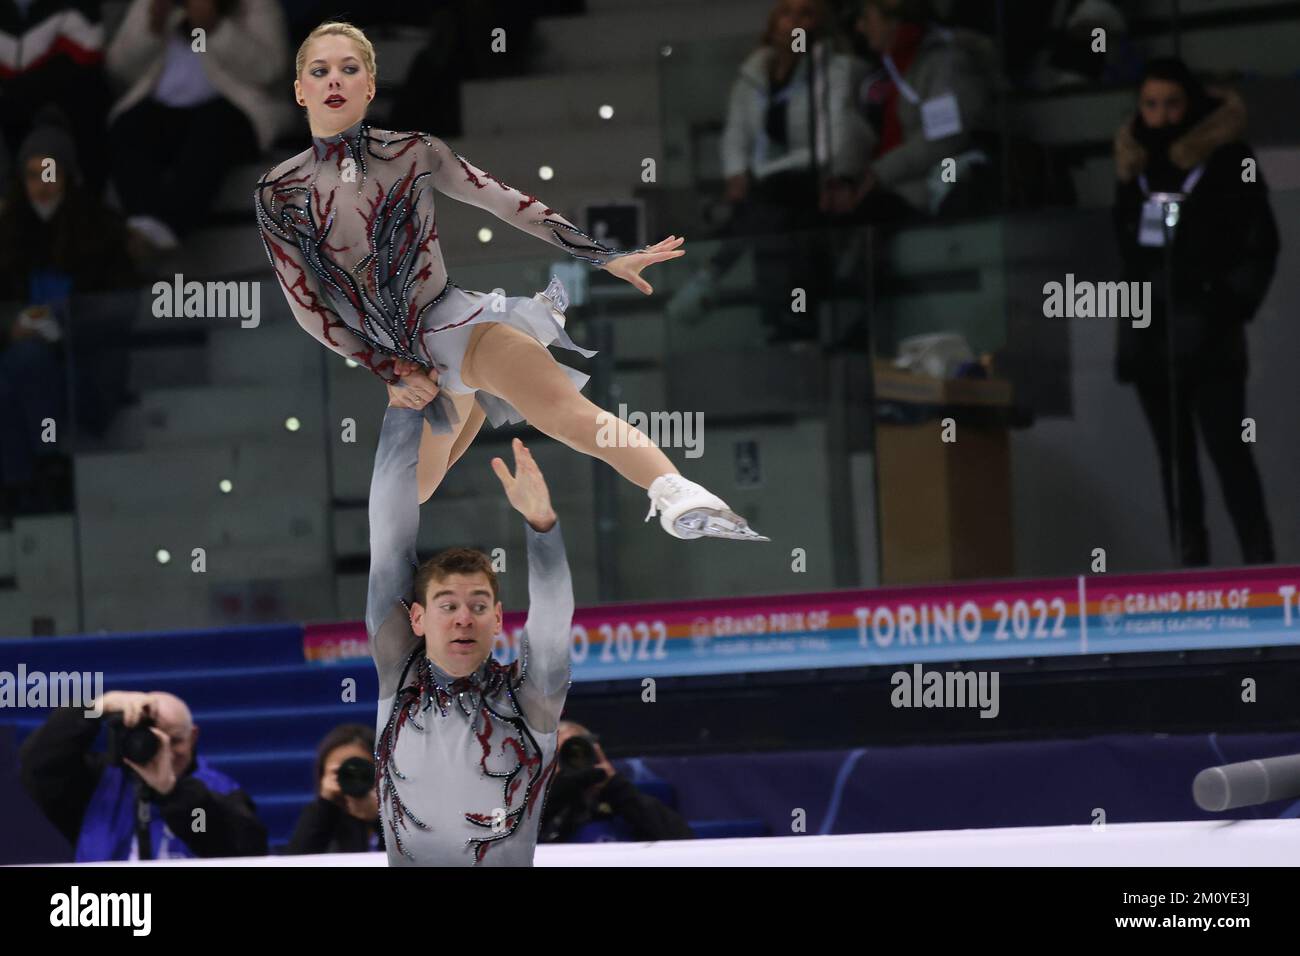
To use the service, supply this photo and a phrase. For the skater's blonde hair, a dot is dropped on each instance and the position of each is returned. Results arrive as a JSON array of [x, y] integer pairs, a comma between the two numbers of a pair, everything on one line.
[[364, 47]]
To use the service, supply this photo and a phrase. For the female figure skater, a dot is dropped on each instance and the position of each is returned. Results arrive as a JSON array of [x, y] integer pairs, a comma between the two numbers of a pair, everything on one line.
[[349, 227]]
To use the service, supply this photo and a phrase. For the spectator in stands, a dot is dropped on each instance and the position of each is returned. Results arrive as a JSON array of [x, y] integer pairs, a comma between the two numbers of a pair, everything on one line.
[[51, 53], [591, 802], [56, 240], [197, 101], [1077, 54], [122, 810], [342, 819], [1186, 140], [767, 143], [56, 237], [481, 17], [774, 175], [935, 89]]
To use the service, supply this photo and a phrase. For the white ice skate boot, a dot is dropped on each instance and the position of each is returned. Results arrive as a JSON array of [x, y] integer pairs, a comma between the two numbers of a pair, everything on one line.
[[556, 297], [688, 510]]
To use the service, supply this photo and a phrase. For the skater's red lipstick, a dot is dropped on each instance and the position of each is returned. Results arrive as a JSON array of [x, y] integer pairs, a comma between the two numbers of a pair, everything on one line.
[[335, 100]]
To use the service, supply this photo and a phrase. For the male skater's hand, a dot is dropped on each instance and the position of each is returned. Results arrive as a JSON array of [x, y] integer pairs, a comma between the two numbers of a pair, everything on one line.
[[629, 267], [416, 389], [527, 490]]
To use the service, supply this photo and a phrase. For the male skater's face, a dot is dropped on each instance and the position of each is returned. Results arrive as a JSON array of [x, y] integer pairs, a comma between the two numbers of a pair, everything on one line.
[[458, 622]]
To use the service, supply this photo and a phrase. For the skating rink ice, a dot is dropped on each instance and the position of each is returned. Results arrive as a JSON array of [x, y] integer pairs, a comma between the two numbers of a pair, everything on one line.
[[1198, 843]]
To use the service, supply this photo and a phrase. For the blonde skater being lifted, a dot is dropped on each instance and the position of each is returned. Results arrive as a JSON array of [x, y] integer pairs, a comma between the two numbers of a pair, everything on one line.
[[350, 228]]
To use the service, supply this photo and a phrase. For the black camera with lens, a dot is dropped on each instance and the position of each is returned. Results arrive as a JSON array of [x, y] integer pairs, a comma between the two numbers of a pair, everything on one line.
[[577, 754], [568, 802], [139, 744], [356, 776]]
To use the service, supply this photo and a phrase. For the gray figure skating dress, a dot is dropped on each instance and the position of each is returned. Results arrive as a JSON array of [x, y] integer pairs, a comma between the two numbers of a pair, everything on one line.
[[350, 229]]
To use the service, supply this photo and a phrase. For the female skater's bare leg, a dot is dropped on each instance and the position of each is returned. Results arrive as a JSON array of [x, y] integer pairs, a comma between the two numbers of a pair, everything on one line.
[[509, 363], [467, 434], [513, 365], [439, 452]]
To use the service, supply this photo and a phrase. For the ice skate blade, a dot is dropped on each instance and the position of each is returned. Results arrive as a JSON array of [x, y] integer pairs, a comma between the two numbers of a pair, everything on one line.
[[708, 523]]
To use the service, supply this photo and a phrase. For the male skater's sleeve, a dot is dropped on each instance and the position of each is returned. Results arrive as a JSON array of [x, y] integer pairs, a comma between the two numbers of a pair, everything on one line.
[[394, 525], [544, 648], [457, 177]]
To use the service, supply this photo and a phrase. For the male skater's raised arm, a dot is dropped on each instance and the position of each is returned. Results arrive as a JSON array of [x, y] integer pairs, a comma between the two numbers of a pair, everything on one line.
[[394, 525], [544, 647]]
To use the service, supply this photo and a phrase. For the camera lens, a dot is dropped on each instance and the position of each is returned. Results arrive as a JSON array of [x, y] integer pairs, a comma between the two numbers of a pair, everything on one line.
[[578, 753], [139, 744], [356, 776]]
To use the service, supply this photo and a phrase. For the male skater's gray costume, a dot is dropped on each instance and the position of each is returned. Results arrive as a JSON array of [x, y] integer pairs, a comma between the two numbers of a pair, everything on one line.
[[463, 764]]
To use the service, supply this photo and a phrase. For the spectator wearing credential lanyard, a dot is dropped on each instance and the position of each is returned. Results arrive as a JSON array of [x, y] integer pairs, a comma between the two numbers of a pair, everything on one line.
[[770, 136], [933, 89], [791, 125], [1185, 177]]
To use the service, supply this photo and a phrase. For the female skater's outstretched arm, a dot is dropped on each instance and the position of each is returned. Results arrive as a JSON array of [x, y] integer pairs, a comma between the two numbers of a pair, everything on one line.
[[394, 525], [457, 177]]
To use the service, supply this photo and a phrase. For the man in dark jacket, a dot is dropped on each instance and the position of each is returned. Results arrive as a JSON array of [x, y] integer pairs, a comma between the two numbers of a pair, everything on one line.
[[176, 805], [591, 802], [1209, 259]]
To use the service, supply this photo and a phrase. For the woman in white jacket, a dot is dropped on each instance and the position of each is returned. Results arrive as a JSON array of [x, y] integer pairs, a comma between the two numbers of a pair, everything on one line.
[[781, 135], [791, 130], [196, 78]]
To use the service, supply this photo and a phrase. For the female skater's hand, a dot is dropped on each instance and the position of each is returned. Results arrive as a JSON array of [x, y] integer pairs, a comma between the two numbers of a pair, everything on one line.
[[527, 490], [629, 267]]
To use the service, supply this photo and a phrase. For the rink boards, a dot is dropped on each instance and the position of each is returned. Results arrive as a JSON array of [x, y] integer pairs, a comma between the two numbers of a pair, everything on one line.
[[1087, 614]]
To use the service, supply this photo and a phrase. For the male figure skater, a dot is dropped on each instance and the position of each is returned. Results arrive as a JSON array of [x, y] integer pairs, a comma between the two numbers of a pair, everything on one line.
[[466, 746]]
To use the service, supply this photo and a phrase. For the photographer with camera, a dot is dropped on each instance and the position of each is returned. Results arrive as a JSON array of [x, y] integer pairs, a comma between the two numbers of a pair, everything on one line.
[[591, 802], [344, 817], [150, 796]]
